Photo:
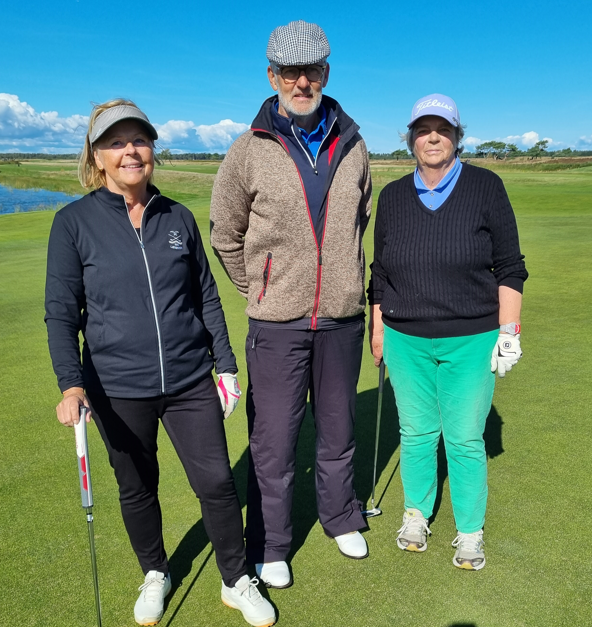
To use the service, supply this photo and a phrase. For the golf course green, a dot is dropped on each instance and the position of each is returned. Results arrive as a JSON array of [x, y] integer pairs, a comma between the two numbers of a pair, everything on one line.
[[538, 439]]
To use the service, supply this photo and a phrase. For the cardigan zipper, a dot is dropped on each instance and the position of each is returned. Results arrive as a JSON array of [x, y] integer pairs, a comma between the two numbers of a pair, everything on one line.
[[158, 334], [313, 164]]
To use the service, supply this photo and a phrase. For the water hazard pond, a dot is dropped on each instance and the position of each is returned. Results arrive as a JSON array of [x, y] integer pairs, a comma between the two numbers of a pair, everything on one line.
[[14, 200]]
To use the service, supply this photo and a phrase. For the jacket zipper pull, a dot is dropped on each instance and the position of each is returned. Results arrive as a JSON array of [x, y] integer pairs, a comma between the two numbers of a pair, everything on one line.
[[320, 259]]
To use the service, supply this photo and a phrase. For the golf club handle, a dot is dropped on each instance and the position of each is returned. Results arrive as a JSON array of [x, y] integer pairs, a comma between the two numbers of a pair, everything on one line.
[[83, 460], [381, 375]]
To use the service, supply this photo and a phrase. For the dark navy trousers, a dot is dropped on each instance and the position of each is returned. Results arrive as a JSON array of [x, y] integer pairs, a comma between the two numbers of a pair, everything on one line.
[[194, 421], [284, 365]]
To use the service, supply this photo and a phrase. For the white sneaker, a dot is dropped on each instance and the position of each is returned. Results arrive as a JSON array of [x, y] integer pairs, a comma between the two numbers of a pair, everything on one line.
[[245, 597], [469, 550], [352, 545], [150, 604], [274, 574], [413, 535]]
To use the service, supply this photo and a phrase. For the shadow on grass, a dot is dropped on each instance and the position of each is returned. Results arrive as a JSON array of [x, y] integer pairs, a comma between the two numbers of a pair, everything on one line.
[[462, 625], [304, 512]]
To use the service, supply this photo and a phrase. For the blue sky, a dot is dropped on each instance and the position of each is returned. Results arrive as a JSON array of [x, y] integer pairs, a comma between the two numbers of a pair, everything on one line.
[[519, 70]]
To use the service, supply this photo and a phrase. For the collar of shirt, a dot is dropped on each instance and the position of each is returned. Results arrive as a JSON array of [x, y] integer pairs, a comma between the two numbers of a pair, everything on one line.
[[319, 132], [421, 187], [434, 198], [313, 139]]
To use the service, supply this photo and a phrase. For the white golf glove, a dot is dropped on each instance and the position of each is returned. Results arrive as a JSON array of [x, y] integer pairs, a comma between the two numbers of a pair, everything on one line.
[[229, 392], [506, 353]]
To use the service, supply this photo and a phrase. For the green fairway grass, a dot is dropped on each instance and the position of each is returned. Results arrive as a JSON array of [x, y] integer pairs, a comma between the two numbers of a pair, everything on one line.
[[538, 437]]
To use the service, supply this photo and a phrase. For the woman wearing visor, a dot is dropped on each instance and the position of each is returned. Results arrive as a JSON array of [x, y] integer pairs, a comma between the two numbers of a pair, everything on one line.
[[445, 294], [127, 268]]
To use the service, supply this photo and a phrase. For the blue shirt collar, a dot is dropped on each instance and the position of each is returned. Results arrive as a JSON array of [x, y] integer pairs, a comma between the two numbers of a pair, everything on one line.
[[317, 134], [320, 131], [443, 184]]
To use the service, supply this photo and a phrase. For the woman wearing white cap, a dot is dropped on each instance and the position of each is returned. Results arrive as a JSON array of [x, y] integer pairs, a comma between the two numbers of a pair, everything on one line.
[[127, 268], [445, 294]]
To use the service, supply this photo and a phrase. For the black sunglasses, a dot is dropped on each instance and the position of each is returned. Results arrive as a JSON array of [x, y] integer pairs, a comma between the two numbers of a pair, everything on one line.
[[292, 73]]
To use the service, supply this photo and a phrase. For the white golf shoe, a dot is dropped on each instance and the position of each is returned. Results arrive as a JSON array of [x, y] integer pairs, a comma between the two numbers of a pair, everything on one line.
[[245, 597], [150, 604], [274, 574], [469, 553], [352, 545]]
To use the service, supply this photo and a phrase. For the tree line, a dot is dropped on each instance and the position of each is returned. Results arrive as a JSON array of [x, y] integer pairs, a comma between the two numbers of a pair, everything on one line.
[[167, 155], [491, 149], [496, 150]]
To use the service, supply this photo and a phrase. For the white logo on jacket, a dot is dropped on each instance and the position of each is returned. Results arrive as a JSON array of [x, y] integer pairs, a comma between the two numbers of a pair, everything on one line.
[[175, 240]]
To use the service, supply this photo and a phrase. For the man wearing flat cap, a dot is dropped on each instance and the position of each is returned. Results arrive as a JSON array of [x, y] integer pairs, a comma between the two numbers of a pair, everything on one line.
[[289, 207]]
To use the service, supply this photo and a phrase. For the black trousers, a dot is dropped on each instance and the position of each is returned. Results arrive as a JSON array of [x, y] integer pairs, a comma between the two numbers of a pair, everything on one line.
[[284, 364], [193, 420]]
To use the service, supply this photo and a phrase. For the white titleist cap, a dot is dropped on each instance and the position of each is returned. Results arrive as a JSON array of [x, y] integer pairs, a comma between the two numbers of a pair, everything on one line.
[[435, 104]]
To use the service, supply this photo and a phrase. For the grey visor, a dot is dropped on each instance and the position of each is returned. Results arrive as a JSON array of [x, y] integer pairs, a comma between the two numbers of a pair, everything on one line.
[[116, 114]]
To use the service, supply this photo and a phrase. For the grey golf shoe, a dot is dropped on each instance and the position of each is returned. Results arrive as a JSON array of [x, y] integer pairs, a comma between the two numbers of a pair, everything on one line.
[[469, 553], [245, 596], [413, 535]]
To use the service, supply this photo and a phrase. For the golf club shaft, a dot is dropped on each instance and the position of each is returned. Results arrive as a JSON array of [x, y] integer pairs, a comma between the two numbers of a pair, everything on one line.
[[93, 559], [381, 374], [87, 499]]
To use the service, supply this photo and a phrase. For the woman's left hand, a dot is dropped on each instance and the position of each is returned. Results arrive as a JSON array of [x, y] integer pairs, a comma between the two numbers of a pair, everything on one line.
[[506, 353], [376, 333], [229, 392]]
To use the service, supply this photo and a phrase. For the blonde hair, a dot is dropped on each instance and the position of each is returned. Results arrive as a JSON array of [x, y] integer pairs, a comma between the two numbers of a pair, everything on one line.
[[89, 174]]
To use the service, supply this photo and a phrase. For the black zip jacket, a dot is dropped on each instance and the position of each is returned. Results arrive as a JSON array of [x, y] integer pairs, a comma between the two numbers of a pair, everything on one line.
[[147, 304]]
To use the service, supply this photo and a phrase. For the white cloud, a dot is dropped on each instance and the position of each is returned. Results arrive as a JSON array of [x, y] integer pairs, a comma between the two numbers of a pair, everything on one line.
[[471, 141], [22, 129], [528, 139], [584, 143], [181, 134], [524, 141], [173, 130]]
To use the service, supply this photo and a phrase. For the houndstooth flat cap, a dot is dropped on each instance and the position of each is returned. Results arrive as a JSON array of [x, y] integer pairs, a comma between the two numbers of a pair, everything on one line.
[[298, 43]]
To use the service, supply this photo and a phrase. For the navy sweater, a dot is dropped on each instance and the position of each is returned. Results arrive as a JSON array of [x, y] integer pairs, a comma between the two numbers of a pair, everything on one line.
[[437, 273], [149, 311]]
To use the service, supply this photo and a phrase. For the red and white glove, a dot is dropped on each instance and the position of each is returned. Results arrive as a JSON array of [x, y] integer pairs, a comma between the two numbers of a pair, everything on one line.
[[506, 353], [229, 392]]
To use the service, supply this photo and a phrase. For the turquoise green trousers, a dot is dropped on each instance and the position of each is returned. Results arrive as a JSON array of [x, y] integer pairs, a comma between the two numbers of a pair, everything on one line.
[[443, 386]]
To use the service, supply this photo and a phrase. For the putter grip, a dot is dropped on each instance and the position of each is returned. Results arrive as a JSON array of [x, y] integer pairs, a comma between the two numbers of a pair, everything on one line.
[[381, 375], [83, 461]]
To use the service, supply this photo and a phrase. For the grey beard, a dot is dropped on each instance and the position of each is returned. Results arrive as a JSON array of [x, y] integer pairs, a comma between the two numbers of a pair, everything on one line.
[[299, 118]]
